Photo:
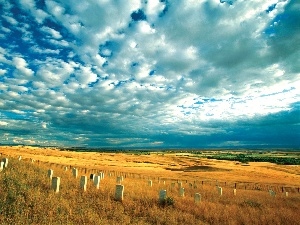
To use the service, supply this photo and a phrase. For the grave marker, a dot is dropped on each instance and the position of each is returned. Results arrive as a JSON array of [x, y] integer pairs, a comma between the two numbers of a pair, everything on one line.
[[220, 191], [1, 166], [181, 192], [150, 183], [83, 182], [119, 194], [234, 191], [197, 198], [50, 173], [97, 181], [119, 180], [55, 184], [5, 161], [286, 194], [272, 193], [75, 172], [162, 196], [92, 176], [180, 184]]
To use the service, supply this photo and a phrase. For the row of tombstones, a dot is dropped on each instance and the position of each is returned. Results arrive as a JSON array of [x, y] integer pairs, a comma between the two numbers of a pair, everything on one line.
[[4, 163], [96, 178]]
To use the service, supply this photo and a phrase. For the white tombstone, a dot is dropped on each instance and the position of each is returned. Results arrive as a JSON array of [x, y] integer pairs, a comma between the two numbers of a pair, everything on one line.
[[119, 194], [150, 183], [75, 172], [1, 166], [286, 194], [119, 180], [97, 181], [55, 184], [181, 192], [220, 191], [162, 195], [234, 191], [197, 198], [20, 158], [66, 168], [50, 173], [180, 184], [272, 193], [5, 161], [83, 182]]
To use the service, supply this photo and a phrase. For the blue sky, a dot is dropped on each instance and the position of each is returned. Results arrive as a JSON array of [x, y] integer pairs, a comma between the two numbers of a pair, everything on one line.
[[151, 74]]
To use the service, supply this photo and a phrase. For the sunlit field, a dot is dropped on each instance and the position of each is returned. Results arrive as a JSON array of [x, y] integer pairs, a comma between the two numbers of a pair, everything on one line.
[[27, 198]]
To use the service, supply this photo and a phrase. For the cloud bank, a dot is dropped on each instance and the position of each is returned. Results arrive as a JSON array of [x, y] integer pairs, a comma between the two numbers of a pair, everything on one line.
[[163, 74]]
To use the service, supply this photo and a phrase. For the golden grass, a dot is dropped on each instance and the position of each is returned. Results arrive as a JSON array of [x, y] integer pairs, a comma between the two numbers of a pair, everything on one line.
[[26, 197]]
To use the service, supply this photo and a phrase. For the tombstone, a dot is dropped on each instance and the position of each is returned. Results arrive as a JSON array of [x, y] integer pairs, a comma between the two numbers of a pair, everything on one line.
[[55, 184], [234, 192], [172, 184], [75, 172], [286, 194], [5, 161], [97, 181], [162, 196], [32, 160], [66, 168], [197, 198], [119, 194], [92, 176], [50, 173], [20, 158], [1, 166], [83, 182], [119, 180], [272, 193], [180, 184], [181, 192], [220, 191], [110, 174], [150, 183]]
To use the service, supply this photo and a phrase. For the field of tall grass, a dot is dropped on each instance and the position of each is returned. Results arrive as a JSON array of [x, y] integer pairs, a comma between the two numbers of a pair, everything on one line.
[[26, 198]]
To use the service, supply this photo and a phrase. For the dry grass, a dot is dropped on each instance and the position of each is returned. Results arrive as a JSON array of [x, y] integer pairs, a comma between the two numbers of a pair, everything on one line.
[[26, 198]]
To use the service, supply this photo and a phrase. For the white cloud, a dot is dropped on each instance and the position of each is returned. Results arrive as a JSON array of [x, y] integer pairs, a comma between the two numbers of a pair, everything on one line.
[[3, 123], [2, 72], [21, 67], [10, 19], [55, 34]]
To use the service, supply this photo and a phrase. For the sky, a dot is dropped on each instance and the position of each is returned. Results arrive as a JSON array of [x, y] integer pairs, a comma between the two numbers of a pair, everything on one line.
[[150, 73]]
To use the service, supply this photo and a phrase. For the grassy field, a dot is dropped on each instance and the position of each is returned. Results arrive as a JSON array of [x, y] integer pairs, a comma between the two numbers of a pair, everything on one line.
[[26, 196]]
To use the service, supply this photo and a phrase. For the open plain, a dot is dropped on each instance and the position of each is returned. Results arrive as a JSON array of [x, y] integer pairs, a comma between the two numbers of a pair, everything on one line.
[[25, 188]]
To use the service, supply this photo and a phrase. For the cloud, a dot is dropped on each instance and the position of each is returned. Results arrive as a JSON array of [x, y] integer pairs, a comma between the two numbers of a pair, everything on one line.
[[149, 73]]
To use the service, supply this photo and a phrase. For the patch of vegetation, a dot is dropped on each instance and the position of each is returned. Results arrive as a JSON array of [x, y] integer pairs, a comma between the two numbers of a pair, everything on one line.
[[169, 201], [246, 158]]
